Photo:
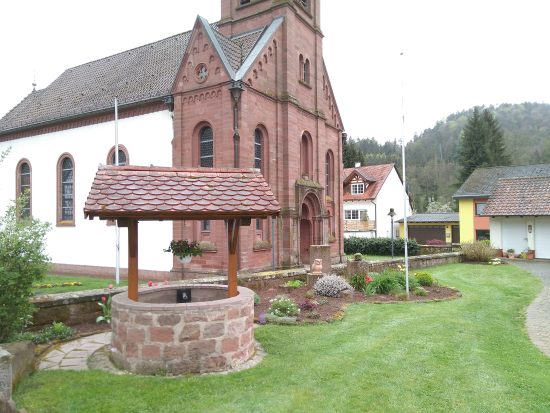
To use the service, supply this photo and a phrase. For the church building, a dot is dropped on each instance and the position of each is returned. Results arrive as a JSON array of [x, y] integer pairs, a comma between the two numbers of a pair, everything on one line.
[[250, 91]]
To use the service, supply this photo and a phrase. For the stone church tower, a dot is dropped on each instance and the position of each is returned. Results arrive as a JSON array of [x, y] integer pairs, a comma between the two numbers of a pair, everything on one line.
[[250, 91]]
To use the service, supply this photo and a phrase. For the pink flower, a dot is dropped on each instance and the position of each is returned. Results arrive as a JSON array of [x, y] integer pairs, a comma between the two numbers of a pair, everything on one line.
[[367, 279], [110, 286], [150, 283], [165, 282], [103, 299], [156, 284]]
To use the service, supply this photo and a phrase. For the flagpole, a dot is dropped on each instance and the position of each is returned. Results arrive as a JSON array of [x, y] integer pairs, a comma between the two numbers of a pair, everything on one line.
[[117, 229], [404, 189]]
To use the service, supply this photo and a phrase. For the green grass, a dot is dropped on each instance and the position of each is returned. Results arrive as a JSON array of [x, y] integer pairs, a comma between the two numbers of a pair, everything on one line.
[[465, 355], [88, 283], [376, 257]]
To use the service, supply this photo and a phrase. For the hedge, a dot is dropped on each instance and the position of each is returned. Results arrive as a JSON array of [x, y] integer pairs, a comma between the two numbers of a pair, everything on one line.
[[379, 246]]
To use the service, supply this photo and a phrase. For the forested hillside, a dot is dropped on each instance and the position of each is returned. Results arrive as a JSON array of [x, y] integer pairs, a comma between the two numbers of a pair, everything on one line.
[[432, 156]]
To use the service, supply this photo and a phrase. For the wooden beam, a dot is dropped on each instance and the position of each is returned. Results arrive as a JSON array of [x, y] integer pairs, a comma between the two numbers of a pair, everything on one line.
[[133, 259], [232, 237]]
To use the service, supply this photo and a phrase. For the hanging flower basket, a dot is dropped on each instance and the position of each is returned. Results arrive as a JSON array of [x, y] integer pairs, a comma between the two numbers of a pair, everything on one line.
[[184, 260], [184, 250]]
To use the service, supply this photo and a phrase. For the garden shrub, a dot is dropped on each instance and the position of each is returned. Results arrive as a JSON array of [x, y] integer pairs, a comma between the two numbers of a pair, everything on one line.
[[385, 282], [307, 305], [264, 318], [283, 307], [478, 251], [296, 284], [435, 242], [358, 282], [424, 278], [330, 286], [420, 292], [400, 278], [313, 315], [379, 246], [57, 331], [256, 299], [23, 264]]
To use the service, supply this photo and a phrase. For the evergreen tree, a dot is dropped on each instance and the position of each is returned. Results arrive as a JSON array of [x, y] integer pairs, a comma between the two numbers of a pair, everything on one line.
[[352, 154], [472, 152], [495, 141]]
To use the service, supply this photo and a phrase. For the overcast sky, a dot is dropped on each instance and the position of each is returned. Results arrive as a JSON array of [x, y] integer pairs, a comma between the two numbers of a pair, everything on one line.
[[457, 54]]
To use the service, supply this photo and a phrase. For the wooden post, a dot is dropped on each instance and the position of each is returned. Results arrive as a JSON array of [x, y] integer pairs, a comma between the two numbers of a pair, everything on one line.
[[133, 259], [233, 226]]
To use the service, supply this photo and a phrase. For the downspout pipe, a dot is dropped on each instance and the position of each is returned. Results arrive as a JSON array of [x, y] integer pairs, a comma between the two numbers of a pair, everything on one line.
[[375, 221], [236, 87]]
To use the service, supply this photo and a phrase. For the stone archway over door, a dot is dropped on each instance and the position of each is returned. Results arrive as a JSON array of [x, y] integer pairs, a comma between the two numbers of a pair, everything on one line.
[[305, 234]]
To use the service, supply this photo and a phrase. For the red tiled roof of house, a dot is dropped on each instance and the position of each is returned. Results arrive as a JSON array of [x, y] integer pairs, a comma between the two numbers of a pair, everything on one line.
[[520, 196], [179, 193], [379, 174]]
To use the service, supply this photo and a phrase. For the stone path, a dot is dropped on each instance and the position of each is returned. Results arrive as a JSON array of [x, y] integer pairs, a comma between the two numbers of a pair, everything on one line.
[[538, 313], [74, 354]]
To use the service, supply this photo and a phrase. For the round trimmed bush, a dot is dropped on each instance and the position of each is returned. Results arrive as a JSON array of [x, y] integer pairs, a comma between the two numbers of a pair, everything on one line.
[[424, 279]]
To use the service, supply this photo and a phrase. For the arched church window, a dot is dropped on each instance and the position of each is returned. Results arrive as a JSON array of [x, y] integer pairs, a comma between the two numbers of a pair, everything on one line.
[[306, 71], [65, 176], [121, 158], [207, 148], [327, 174], [306, 156], [24, 185], [258, 149]]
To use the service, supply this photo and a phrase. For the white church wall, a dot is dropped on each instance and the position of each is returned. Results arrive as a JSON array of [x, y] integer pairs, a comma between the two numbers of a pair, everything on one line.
[[148, 141]]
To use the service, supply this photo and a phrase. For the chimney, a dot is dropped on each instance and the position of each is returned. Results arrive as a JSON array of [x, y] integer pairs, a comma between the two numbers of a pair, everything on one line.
[[357, 164]]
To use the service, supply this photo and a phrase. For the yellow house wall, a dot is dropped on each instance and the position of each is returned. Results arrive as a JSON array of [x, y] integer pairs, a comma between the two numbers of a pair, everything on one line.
[[466, 217], [448, 228]]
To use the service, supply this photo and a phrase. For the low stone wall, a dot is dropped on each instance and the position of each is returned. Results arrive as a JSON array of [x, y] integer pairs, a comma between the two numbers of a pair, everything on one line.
[[438, 249], [16, 361], [173, 338], [416, 262]]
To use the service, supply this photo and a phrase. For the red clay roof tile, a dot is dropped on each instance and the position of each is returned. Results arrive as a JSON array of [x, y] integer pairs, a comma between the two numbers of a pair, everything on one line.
[[519, 196]]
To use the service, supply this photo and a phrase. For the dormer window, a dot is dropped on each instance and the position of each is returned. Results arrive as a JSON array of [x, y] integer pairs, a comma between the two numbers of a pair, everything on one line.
[[357, 189]]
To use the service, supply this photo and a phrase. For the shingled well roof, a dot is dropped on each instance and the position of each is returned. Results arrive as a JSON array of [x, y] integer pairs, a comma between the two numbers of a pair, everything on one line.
[[179, 193], [482, 181], [520, 196]]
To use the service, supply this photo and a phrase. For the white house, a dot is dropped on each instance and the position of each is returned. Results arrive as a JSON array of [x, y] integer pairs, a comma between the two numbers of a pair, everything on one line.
[[369, 194]]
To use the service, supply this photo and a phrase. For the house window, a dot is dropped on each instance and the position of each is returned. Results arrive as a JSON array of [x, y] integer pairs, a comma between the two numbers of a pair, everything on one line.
[[207, 148], [121, 158], [24, 185], [258, 225], [258, 149], [306, 71], [482, 234], [357, 189], [480, 206], [206, 225], [304, 3], [355, 215], [66, 191], [306, 155]]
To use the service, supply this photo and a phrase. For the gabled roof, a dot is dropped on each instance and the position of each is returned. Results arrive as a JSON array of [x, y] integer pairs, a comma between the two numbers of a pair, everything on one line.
[[377, 175], [178, 193], [520, 196], [364, 175], [482, 181], [432, 217], [135, 76]]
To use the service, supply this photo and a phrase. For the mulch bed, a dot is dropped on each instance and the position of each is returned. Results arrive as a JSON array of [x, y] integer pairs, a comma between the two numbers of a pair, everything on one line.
[[336, 304]]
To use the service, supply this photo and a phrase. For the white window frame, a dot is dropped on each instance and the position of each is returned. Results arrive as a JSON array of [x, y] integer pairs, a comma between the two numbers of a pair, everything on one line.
[[357, 189], [354, 214], [482, 205]]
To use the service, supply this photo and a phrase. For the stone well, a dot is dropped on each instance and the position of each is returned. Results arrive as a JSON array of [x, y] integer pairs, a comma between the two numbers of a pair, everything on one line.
[[210, 333]]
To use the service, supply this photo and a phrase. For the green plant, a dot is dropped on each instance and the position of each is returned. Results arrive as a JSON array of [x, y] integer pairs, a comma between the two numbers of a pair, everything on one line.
[[61, 331], [330, 286], [478, 251], [384, 282], [421, 292], [265, 318], [323, 301], [402, 296], [424, 278], [313, 315], [106, 307], [358, 282], [283, 307], [23, 264], [184, 248], [379, 246], [369, 289], [510, 250], [57, 331], [256, 299], [296, 284], [400, 278], [357, 257]]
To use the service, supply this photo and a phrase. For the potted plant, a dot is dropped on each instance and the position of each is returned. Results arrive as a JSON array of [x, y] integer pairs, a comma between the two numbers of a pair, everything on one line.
[[530, 254], [510, 252], [184, 250], [358, 256]]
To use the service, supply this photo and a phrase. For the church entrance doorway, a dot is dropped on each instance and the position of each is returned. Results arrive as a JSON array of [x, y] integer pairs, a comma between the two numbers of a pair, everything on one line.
[[309, 226]]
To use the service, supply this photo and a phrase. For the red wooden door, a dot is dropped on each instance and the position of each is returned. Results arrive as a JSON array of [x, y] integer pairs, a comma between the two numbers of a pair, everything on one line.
[[305, 240]]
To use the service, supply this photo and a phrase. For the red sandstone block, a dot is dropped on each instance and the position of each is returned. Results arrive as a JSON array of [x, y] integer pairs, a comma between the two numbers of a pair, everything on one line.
[[190, 332], [121, 331], [214, 330], [174, 352], [136, 335], [144, 319], [230, 345], [132, 350], [198, 349], [215, 363], [246, 310], [150, 352], [235, 328], [124, 316], [161, 334], [233, 314], [195, 317], [217, 316], [246, 338], [240, 355], [182, 367], [249, 322], [169, 319], [117, 344]]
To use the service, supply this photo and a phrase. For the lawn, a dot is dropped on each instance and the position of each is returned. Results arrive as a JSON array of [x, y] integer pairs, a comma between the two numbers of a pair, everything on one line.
[[376, 257], [466, 355], [88, 283]]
